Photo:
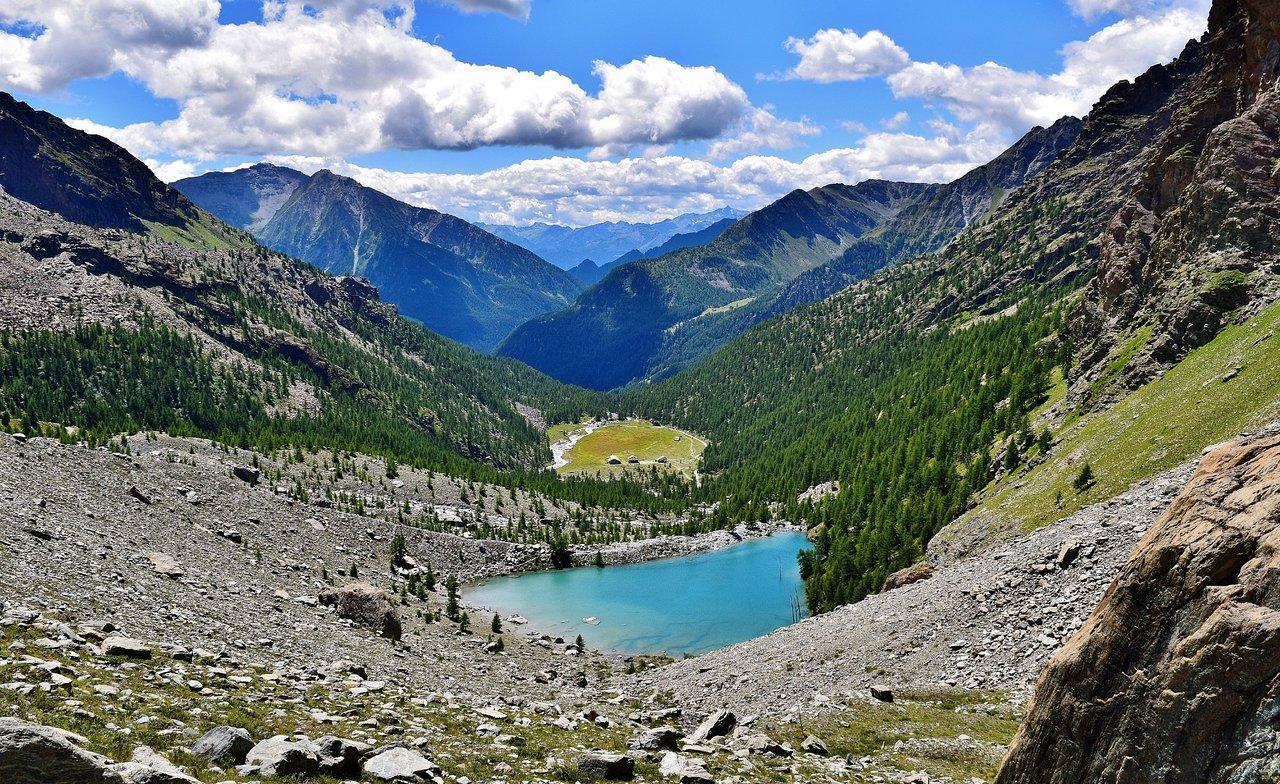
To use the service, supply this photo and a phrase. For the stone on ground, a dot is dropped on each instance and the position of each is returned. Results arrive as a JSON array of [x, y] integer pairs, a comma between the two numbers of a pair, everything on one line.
[[607, 765], [34, 754], [127, 647], [399, 764], [223, 745], [367, 606], [279, 756], [719, 723]]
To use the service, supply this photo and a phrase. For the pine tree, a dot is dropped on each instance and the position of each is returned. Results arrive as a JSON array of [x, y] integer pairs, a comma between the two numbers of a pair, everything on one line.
[[1084, 480]]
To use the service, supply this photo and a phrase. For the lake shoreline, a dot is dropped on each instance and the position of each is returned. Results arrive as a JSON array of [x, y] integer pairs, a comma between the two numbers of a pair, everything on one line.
[[668, 602], [675, 546]]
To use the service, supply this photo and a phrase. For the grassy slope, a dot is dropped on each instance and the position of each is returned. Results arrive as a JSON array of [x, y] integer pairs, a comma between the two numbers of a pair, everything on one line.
[[1154, 429], [643, 439]]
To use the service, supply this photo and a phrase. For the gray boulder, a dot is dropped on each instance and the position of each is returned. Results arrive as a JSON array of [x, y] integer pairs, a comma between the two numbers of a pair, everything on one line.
[[688, 771], [759, 743], [247, 474], [365, 605], [225, 746], [34, 754], [339, 757], [814, 745], [398, 764], [148, 767], [607, 765], [127, 647], [279, 756], [719, 723], [656, 739]]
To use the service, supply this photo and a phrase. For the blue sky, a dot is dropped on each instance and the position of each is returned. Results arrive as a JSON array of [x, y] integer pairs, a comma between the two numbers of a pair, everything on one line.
[[498, 110]]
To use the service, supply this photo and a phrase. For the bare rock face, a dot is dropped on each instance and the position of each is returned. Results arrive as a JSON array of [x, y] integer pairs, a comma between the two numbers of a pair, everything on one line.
[[1193, 246], [1175, 678], [367, 606]]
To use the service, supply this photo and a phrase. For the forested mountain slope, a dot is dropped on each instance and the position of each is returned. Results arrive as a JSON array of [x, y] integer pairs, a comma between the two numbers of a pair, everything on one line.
[[846, 389], [674, 311], [113, 331], [455, 278], [616, 329]]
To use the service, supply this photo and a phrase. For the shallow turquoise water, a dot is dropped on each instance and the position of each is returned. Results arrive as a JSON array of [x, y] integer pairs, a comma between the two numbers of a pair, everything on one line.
[[692, 604]]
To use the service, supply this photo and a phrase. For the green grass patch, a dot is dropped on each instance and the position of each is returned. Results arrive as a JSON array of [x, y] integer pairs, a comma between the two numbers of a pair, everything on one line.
[[1119, 361], [197, 234], [634, 437], [872, 729], [1228, 386]]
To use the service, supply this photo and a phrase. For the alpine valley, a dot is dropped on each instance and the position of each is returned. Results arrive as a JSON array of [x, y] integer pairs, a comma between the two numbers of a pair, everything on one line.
[[293, 471]]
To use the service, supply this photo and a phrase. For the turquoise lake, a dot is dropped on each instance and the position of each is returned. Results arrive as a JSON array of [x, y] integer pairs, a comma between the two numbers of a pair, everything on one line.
[[690, 604]]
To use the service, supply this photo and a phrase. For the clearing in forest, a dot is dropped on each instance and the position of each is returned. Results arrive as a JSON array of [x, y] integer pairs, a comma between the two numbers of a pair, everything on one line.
[[588, 447]]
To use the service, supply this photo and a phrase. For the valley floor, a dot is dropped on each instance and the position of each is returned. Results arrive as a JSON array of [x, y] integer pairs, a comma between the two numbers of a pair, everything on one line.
[[220, 578]]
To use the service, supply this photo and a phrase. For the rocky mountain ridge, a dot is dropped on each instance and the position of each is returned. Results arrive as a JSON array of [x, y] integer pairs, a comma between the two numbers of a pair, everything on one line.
[[457, 279]]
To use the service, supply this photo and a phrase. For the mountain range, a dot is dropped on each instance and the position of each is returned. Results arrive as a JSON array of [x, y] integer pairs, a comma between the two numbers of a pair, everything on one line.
[[656, 317], [569, 246], [589, 273], [453, 277]]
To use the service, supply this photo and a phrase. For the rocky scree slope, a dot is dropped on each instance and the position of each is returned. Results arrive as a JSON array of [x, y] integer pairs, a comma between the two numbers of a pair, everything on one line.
[[986, 623], [1176, 675], [455, 278]]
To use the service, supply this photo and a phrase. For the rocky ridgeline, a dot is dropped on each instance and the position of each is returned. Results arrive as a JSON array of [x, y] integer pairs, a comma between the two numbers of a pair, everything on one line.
[[988, 622]]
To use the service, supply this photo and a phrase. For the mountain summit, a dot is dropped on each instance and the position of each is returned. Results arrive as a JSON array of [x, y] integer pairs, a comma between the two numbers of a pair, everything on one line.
[[455, 278]]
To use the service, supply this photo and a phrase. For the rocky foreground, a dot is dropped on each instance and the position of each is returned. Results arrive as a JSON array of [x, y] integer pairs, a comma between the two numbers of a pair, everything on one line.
[[184, 621]]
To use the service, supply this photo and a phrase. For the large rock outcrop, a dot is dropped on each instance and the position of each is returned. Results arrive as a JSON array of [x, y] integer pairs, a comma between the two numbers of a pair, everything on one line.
[[1175, 678], [1192, 247], [366, 606]]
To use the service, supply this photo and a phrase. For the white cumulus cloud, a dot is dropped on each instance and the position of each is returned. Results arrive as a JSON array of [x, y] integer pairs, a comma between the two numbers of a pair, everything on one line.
[[59, 41], [343, 77], [845, 56], [1020, 99]]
